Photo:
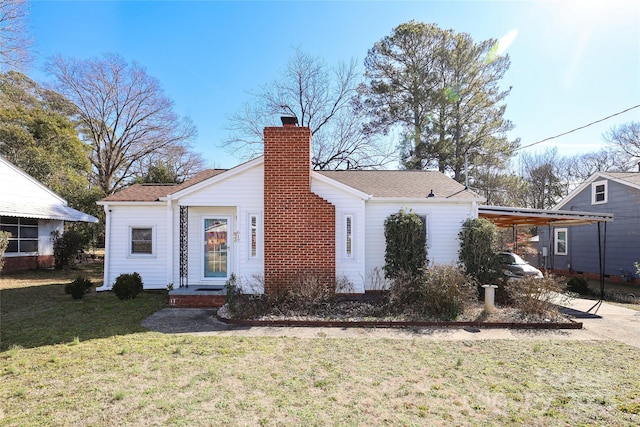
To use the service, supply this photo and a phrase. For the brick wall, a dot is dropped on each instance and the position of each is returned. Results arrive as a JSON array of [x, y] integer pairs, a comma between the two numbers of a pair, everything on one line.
[[299, 226], [196, 301], [12, 264]]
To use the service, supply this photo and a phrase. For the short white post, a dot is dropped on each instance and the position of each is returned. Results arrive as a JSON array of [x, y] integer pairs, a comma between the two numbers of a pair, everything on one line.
[[489, 298]]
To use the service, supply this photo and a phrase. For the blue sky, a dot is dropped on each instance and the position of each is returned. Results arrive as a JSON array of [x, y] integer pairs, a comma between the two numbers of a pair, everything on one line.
[[572, 62]]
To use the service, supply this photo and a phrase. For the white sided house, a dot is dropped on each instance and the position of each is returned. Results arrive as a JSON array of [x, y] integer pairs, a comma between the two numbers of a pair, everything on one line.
[[272, 219], [30, 212]]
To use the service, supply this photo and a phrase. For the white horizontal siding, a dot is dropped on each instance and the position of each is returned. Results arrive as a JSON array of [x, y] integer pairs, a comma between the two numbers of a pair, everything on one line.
[[45, 240], [152, 269], [238, 197], [443, 221]]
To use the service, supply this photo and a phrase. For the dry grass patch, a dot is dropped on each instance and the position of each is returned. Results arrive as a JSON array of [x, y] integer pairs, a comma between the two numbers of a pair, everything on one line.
[[154, 379]]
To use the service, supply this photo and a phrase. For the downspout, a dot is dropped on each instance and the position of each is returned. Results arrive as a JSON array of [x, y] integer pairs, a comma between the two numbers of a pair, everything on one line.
[[107, 246], [170, 230]]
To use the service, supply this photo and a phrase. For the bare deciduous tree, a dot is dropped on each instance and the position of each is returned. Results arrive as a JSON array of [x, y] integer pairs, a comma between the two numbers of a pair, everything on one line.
[[321, 98], [124, 113], [14, 41], [626, 138], [579, 168], [542, 172], [181, 163]]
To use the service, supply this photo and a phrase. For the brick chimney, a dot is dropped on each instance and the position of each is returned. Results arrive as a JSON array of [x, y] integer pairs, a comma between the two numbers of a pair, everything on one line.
[[299, 226]]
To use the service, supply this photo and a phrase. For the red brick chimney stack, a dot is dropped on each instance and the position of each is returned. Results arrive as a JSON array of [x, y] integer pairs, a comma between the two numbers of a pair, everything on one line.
[[299, 226]]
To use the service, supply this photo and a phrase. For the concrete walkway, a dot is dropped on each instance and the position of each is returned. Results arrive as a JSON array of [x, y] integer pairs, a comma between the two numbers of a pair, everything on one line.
[[611, 322]]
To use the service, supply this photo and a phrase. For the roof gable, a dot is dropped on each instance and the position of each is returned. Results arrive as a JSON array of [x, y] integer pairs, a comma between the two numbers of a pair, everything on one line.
[[24, 196], [630, 179], [16, 183]]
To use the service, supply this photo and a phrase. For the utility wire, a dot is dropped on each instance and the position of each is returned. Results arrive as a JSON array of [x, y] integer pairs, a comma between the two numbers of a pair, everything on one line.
[[573, 130]]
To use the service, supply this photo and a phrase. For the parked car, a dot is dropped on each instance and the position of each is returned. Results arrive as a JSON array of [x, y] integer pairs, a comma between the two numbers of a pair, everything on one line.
[[514, 267]]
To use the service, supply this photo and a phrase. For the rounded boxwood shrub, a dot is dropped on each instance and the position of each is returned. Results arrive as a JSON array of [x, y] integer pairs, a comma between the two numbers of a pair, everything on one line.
[[127, 286], [578, 285], [79, 287]]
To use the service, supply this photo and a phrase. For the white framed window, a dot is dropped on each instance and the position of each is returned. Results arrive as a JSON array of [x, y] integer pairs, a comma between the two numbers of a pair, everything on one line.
[[142, 241], [560, 241], [254, 246], [599, 192], [24, 234], [348, 237]]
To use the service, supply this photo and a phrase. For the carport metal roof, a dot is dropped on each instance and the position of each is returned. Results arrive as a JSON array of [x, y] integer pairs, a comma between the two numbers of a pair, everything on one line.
[[508, 217]]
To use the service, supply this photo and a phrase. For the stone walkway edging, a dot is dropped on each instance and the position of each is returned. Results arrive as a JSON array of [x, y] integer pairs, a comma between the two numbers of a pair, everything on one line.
[[399, 324]]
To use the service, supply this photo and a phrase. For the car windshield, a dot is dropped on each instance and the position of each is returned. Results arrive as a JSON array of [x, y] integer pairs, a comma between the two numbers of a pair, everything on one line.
[[512, 259]]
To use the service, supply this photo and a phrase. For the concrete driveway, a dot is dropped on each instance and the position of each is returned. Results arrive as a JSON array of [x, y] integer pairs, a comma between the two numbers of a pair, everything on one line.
[[611, 321]]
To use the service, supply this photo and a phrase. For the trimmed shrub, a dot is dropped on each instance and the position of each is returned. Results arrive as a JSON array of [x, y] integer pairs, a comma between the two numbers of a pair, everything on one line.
[[79, 287], [406, 245], [66, 248], [578, 285], [4, 242], [442, 292], [478, 250], [128, 286]]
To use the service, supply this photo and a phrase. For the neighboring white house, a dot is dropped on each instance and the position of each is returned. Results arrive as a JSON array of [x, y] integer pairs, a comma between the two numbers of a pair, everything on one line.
[[275, 218], [31, 212]]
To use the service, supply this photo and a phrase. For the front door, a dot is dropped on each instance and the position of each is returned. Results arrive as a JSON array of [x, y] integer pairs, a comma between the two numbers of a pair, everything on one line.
[[216, 248]]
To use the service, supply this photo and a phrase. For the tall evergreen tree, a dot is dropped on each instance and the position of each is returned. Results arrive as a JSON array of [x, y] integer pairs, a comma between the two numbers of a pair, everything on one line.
[[441, 88]]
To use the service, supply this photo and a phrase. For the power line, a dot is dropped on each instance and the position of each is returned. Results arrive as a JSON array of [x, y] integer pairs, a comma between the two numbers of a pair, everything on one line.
[[573, 130]]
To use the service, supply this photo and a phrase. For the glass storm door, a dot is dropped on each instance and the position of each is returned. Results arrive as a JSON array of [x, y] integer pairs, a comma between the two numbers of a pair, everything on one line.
[[215, 247]]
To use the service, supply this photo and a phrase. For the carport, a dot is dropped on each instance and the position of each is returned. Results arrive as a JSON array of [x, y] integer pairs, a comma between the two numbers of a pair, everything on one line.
[[509, 217]]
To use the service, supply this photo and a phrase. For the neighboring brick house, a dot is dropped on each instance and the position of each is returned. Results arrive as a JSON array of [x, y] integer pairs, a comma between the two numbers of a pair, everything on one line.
[[575, 249], [275, 218], [31, 212]]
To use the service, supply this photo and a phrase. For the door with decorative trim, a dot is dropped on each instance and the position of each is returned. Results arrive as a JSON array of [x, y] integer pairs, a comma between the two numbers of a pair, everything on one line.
[[216, 247]]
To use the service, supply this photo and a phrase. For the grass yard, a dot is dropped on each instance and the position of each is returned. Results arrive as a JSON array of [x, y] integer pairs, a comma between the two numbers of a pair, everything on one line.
[[89, 362]]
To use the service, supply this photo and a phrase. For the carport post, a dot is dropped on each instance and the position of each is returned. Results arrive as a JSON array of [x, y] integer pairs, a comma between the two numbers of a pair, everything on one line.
[[602, 251]]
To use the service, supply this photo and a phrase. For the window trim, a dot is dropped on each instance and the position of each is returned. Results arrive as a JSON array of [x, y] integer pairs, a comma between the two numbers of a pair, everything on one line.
[[130, 253], [250, 233], [348, 247], [594, 193], [556, 250], [19, 239]]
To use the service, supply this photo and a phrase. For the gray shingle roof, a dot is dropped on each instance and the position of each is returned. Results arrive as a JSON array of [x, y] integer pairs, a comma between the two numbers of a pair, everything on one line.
[[631, 177], [402, 184], [380, 183], [153, 192]]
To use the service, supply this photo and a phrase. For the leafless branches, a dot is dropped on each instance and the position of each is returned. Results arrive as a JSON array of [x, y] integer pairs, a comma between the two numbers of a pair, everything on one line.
[[321, 98], [14, 42], [124, 112]]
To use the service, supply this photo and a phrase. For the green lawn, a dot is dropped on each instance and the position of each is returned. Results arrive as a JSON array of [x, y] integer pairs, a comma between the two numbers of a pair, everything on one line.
[[89, 362]]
